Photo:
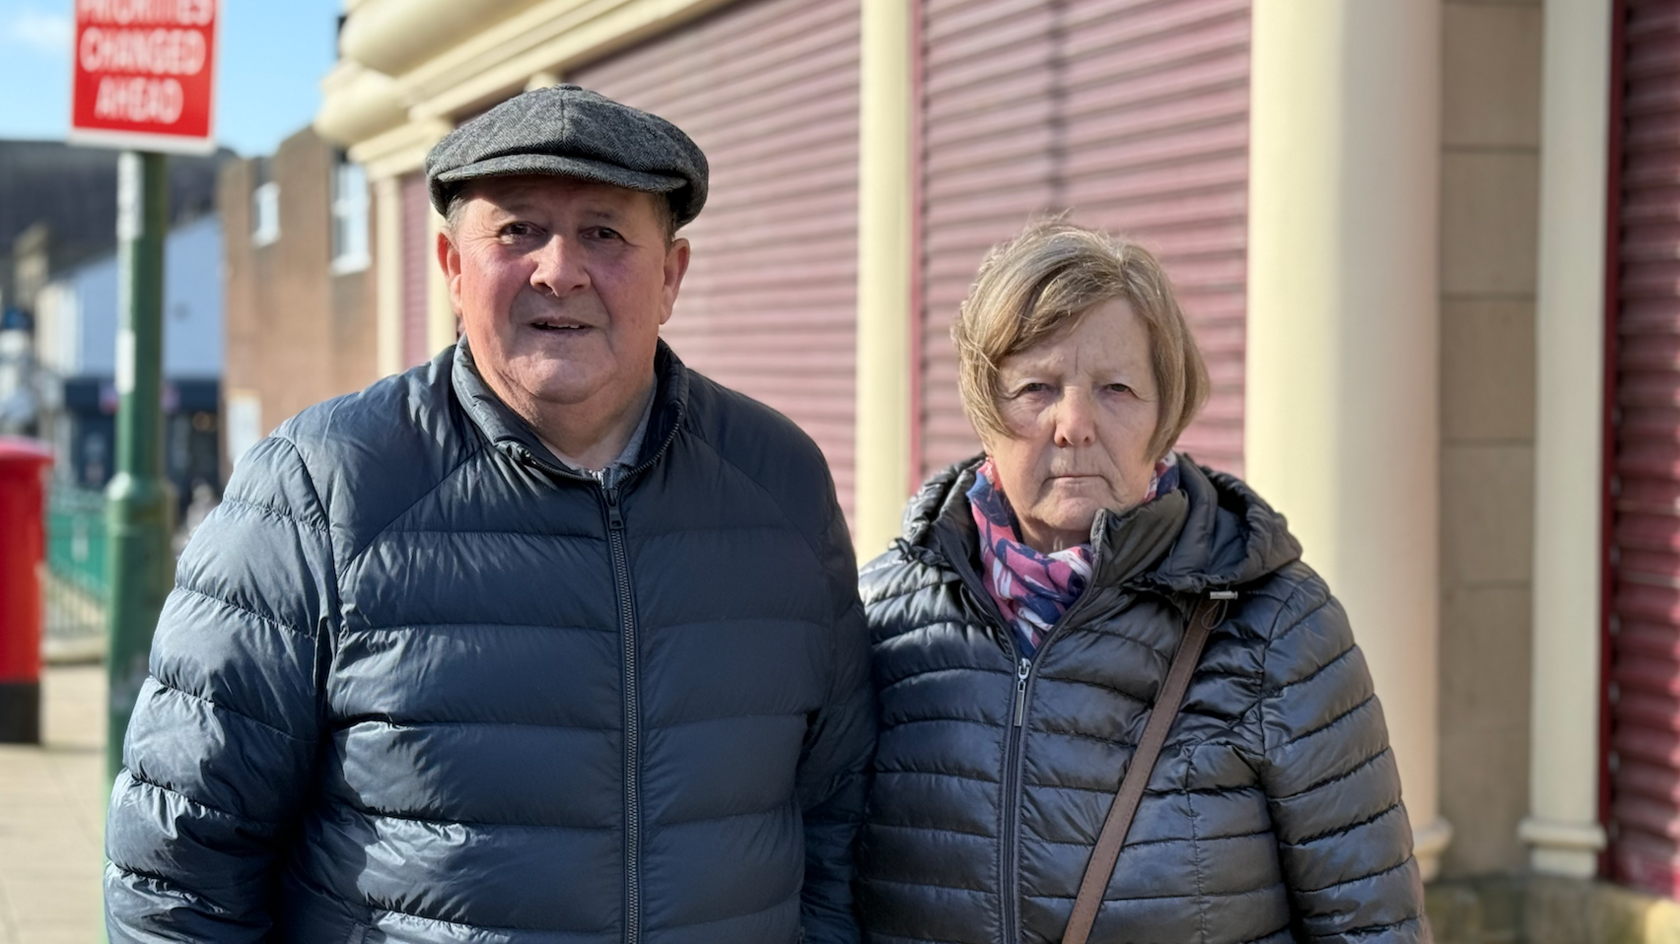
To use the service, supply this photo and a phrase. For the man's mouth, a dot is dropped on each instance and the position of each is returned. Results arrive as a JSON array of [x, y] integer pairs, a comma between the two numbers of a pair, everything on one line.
[[557, 325]]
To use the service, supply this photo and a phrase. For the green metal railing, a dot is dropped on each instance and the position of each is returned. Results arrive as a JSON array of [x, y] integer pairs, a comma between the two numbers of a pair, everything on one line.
[[77, 580], [76, 538]]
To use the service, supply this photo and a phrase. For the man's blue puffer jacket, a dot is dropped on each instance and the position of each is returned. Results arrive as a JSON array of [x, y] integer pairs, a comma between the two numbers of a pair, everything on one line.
[[417, 683]]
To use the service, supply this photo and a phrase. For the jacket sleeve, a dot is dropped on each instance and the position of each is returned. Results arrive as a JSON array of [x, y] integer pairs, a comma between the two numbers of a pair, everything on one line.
[[833, 772], [1332, 785], [220, 751]]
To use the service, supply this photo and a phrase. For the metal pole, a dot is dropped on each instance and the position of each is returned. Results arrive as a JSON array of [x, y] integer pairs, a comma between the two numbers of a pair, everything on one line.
[[137, 500]]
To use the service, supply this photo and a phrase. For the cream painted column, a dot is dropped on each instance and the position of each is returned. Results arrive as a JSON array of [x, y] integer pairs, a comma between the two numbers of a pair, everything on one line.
[[548, 78], [387, 204], [1563, 825], [885, 257], [1341, 427], [440, 311]]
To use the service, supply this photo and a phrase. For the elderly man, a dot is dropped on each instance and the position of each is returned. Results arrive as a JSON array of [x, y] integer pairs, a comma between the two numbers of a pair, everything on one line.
[[550, 640]]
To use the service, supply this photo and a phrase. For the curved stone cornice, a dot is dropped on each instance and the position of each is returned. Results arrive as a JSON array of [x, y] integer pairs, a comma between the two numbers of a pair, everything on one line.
[[393, 36], [357, 103]]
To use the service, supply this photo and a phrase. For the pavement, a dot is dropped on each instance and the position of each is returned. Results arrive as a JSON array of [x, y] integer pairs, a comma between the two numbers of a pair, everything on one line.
[[52, 816]]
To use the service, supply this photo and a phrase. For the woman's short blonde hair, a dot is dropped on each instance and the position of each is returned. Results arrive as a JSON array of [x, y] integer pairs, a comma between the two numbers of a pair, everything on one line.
[[1042, 283]]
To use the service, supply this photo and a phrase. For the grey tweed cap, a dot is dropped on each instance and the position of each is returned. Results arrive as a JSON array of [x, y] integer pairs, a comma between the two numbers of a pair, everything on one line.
[[570, 131]]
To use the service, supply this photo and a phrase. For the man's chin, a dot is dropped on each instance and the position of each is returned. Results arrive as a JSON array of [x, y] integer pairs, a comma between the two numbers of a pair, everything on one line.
[[555, 385]]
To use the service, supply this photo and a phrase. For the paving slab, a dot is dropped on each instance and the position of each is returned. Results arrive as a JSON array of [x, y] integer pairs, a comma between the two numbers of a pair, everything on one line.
[[52, 816]]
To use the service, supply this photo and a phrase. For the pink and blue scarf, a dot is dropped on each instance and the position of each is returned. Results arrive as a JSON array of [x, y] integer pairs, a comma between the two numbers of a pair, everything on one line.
[[1033, 589]]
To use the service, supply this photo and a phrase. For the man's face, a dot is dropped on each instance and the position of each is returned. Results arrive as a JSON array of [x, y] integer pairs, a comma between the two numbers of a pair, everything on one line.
[[561, 285]]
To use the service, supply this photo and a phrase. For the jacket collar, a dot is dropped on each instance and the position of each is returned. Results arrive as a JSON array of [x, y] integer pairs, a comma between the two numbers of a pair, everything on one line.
[[507, 432], [1212, 532]]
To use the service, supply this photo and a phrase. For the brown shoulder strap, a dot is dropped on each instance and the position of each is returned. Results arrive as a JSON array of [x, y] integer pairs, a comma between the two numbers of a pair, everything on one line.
[[1100, 869]]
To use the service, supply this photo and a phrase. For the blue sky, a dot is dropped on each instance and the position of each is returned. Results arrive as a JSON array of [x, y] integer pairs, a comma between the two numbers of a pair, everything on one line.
[[273, 55]]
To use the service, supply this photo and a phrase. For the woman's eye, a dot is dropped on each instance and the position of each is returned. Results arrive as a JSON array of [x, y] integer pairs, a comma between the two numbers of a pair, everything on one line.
[[1118, 388], [1031, 387]]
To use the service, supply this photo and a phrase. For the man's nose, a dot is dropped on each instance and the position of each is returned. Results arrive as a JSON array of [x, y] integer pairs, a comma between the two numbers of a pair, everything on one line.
[[559, 270], [1075, 418]]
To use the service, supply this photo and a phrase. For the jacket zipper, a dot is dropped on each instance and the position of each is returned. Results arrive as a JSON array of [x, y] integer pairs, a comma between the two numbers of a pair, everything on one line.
[[632, 718], [1009, 861], [609, 483], [1021, 672]]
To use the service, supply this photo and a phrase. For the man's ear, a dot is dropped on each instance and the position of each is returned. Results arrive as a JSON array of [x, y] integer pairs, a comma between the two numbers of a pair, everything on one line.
[[676, 266], [449, 260]]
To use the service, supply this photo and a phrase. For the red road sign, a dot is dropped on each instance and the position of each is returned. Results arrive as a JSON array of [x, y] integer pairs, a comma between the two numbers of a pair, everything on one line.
[[145, 72]]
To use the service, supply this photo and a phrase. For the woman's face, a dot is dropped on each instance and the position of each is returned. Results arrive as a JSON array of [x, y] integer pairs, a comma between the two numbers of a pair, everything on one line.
[[1082, 408]]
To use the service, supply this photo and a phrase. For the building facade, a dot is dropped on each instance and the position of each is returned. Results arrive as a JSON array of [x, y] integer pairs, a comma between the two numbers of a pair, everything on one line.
[[300, 290], [1429, 249], [68, 194]]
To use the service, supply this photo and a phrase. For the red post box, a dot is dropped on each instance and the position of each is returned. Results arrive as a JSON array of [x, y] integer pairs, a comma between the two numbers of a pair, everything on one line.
[[23, 545]]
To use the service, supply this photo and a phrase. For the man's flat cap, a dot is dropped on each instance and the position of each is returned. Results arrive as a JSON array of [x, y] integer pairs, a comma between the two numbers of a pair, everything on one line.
[[569, 131]]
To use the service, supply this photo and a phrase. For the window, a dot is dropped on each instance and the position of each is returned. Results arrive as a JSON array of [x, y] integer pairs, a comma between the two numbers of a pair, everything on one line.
[[244, 423], [265, 214], [349, 217]]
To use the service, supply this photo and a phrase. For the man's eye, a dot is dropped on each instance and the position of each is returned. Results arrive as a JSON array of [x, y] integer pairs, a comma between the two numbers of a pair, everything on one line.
[[518, 230], [606, 232]]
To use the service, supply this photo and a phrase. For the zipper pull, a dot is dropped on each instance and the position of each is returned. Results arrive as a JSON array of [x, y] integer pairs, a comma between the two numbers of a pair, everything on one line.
[[1021, 689], [615, 520]]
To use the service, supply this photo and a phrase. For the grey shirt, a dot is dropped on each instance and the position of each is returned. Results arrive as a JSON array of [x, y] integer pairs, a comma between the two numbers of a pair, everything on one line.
[[626, 457]]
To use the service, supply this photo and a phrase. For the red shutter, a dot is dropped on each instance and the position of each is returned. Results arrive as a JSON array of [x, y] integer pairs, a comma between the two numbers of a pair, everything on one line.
[[1134, 115], [769, 90], [417, 260], [1645, 549]]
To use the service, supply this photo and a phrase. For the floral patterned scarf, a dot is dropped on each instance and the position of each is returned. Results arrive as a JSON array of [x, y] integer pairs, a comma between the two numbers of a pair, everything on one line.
[[1033, 589]]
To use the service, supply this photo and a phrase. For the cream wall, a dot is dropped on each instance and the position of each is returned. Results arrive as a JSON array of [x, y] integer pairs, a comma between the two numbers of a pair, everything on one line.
[[1490, 161], [1510, 733]]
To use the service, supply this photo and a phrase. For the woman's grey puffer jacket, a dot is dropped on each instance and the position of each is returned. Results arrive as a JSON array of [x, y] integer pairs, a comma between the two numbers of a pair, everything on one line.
[[1273, 814]]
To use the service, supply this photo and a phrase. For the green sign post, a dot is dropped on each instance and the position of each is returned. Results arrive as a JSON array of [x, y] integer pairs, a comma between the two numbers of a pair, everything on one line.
[[138, 501]]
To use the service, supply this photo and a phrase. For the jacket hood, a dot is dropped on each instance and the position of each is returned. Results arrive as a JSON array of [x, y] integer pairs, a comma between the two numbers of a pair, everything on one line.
[[1214, 530]]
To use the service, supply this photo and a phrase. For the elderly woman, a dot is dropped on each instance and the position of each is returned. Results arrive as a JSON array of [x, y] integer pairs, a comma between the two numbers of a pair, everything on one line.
[[1023, 629]]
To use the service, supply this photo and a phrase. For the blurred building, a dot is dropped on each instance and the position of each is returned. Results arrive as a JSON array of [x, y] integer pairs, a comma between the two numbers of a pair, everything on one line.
[[58, 209], [75, 348], [69, 195], [1430, 248], [300, 293]]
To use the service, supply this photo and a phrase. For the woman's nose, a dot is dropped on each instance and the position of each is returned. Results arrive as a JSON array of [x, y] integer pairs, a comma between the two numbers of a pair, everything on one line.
[[1075, 418], [559, 270]]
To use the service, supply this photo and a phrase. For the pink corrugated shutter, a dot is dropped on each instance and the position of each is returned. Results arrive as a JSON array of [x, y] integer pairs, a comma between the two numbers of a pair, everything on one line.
[[417, 260], [1645, 550], [769, 89], [1134, 116]]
